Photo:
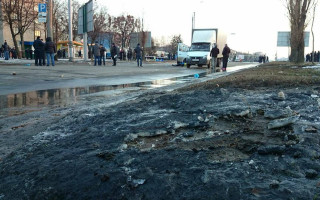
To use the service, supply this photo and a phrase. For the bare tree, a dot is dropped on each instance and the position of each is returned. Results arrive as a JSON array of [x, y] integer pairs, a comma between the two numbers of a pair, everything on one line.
[[60, 20], [123, 26], [10, 18], [298, 11], [25, 18], [101, 21], [19, 15], [176, 39], [75, 6]]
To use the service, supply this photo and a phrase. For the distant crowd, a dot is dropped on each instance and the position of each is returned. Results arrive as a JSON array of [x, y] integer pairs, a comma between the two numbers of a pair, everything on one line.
[[7, 52], [99, 54], [313, 57]]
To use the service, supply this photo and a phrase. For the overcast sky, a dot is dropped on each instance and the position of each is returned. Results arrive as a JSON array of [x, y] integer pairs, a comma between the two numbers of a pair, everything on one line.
[[251, 25]]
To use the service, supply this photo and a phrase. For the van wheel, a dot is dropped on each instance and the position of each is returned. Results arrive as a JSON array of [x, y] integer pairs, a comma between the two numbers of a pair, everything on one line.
[[209, 64], [188, 65]]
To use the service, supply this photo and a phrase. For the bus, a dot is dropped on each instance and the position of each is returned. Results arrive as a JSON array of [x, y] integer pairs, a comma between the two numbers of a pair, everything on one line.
[[182, 54]]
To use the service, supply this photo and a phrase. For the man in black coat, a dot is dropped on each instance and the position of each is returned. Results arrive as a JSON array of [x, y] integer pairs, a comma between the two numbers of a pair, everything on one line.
[[38, 51], [114, 54], [50, 49], [138, 51], [226, 51], [214, 54]]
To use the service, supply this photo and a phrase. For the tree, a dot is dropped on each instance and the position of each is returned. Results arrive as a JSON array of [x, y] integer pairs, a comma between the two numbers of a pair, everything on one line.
[[123, 26], [298, 11], [174, 43], [26, 16], [19, 15], [60, 20], [9, 17], [101, 24]]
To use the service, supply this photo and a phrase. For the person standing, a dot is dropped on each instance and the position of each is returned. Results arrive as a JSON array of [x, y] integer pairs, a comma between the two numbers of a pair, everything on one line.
[[103, 54], [114, 55], [214, 54], [38, 45], [63, 53], [129, 54], [138, 52], [226, 51], [50, 49], [6, 50], [96, 53]]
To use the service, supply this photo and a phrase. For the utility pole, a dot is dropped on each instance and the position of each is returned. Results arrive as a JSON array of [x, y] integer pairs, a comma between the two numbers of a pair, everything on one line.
[[49, 19], [70, 31]]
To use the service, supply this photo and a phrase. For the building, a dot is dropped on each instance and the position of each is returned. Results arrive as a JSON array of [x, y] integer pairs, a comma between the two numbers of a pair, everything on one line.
[[36, 29]]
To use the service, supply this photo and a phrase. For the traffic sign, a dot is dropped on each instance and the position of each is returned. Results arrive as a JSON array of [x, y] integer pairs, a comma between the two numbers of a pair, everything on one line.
[[42, 20], [42, 7]]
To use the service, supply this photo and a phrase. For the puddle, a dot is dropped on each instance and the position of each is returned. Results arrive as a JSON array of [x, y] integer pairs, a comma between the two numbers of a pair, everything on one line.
[[67, 96], [13, 103]]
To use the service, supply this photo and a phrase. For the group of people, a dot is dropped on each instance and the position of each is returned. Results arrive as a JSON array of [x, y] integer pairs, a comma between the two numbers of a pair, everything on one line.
[[6, 52], [42, 50], [313, 57], [99, 52], [214, 54]]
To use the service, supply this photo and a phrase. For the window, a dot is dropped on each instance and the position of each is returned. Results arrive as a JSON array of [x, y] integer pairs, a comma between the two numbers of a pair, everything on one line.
[[37, 33]]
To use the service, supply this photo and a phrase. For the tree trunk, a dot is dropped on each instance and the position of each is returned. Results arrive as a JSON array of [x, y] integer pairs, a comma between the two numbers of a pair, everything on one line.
[[297, 44], [15, 41], [22, 45]]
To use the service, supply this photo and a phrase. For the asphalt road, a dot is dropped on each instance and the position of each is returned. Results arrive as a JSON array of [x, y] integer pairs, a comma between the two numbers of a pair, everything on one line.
[[20, 78]]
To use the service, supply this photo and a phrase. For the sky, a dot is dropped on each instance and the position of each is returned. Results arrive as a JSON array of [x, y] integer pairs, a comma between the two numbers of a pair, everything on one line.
[[251, 25]]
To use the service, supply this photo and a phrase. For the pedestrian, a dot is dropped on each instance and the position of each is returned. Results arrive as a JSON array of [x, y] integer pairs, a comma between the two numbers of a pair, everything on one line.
[[114, 54], [129, 54], [1, 51], [38, 46], [308, 59], [59, 53], [102, 54], [13, 53], [121, 54], [226, 51], [138, 52], [6, 49], [96, 53], [214, 54], [30, 53], [63, 53], [50, 49]]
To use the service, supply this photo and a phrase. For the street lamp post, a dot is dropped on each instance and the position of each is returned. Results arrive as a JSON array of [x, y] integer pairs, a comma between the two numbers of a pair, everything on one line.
[[49, 18]]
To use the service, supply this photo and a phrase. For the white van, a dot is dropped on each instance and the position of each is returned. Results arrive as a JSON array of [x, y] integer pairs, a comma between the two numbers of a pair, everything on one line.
[[182, 53]]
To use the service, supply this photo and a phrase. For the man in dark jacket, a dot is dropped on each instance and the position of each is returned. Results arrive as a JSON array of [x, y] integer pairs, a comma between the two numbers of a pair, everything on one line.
[[226, 51], [214, 54], [96, 53], [38, 48], [114, 54], [50, 49], [102, 55], [138, 52]]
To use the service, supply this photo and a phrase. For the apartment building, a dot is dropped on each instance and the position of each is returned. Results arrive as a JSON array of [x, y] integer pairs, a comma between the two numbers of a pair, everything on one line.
[[36, 29]]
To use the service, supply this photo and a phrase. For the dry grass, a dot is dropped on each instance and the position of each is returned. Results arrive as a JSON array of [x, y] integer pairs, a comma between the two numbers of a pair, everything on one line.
[[274, 74]]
